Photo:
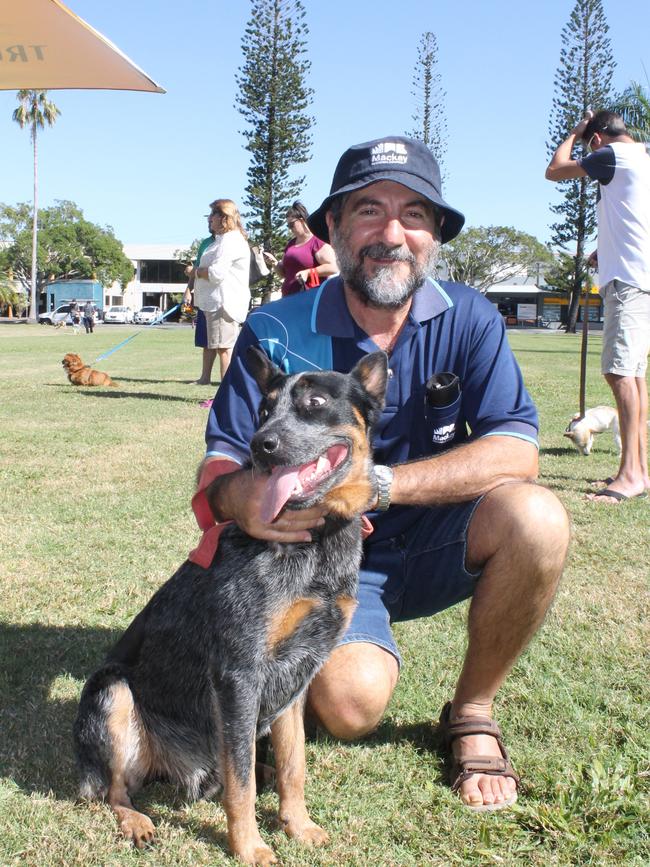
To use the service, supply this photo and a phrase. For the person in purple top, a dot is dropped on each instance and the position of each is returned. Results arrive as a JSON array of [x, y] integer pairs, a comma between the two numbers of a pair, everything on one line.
[[306, 260]]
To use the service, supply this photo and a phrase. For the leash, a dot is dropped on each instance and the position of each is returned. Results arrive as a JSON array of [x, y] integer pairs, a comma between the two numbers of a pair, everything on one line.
[[583, 345], [124, 342]]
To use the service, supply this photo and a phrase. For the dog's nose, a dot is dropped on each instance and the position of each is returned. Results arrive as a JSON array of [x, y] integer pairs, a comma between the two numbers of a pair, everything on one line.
[[270, 443]]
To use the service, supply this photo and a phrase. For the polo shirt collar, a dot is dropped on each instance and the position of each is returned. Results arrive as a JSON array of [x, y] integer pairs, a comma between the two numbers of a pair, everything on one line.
[[332, 317]]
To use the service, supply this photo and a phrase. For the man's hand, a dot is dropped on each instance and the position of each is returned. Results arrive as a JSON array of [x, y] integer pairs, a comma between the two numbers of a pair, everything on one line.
[[581, 126], [238, 497]]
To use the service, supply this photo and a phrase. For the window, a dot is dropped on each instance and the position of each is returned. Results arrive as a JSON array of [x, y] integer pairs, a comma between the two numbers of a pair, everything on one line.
[[162, 271]]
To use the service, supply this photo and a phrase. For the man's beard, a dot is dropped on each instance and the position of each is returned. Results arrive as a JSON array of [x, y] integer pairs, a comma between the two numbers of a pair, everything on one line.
[[383, 289]]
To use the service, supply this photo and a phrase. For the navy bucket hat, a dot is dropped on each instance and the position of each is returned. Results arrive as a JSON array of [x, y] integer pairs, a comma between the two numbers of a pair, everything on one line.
[[395, 158]]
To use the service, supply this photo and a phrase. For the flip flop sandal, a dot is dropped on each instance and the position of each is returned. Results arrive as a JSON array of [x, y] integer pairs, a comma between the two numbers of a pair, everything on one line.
[[463, 769], [616, 495]]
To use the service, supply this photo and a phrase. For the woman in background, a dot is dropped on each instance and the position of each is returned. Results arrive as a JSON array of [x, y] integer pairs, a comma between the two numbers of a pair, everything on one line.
[[221, 285], [307, 260]]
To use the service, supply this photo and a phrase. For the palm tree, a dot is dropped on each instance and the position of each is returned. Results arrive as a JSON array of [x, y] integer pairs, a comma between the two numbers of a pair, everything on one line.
[[35, 111], [634, 107]]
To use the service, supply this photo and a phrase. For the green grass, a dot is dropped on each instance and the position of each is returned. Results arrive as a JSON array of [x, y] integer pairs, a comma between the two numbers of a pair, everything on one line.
[[95, 515]]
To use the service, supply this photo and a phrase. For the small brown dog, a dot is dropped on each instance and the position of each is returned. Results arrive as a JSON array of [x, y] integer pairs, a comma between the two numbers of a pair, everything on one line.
[[80, 374]]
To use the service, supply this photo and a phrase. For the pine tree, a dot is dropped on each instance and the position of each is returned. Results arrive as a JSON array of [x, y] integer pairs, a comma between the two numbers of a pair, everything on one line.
[[429, 116], [582, 81], [273, 98]]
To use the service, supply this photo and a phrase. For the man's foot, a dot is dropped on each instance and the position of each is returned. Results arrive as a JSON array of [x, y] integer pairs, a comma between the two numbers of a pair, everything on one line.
[[480, 771], [201, 382], [614, 497]]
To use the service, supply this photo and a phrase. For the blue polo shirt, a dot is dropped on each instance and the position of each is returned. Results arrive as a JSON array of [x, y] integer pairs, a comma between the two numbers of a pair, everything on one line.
[[451, 328]]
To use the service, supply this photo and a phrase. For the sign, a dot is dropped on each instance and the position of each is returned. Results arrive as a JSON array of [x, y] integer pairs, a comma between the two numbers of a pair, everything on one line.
[[526, 311]]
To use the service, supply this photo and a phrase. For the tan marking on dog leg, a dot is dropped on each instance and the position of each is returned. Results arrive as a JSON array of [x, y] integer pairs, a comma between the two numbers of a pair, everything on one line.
[[129, 748], [284, 623], [239, 803], [346, 605], [288, 738]]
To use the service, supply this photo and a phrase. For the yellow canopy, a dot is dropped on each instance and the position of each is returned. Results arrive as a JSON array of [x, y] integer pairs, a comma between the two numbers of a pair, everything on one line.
[[45, 46]]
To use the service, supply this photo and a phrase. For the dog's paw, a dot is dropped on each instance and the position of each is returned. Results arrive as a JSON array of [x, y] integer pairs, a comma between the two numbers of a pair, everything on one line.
[[260, 854], [137, 827], [308, 833]]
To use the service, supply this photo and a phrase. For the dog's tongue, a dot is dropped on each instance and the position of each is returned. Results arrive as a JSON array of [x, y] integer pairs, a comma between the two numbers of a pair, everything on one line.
[[279, 488], [287, 481]]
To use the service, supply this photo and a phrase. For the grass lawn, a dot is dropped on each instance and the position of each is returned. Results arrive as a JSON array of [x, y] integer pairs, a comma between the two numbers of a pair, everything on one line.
[[95, 515]]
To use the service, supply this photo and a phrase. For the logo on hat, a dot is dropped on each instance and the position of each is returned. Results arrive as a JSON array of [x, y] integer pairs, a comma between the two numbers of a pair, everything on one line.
[[389, 152]]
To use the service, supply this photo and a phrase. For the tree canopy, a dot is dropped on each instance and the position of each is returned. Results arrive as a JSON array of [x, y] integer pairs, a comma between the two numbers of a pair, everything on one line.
[[483, 255], [69, 246], [633, 104]]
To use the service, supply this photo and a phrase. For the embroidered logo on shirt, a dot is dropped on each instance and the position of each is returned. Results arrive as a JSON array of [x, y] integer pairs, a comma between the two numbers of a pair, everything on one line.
[[389, 152], [443, 434]]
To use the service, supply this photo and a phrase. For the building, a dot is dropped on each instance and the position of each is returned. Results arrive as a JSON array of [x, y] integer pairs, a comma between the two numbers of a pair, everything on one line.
[[158, 275]]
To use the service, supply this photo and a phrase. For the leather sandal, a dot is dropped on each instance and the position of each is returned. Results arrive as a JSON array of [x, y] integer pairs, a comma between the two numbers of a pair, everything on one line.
[[463, 769]]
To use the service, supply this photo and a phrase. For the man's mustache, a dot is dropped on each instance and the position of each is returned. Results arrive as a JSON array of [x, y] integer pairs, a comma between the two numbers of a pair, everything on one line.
[[381, 251]]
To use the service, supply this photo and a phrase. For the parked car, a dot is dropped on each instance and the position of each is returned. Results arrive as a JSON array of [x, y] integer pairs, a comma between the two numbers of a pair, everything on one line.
[[61, 313], [147, 315], [119, 314]]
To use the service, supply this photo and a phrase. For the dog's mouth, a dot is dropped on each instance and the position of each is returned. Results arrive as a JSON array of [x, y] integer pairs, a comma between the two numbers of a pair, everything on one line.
[[298, 484]]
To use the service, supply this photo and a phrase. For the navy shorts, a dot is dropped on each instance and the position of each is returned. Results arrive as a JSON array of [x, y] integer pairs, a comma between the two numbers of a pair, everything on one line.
[[416, 574]]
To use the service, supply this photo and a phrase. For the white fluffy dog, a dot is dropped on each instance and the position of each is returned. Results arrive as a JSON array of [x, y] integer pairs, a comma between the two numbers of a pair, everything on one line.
[[581, 431]]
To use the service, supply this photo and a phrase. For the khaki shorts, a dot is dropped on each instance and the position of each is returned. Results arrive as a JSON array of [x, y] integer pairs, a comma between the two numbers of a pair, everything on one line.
[[221, 329], [626, 331]]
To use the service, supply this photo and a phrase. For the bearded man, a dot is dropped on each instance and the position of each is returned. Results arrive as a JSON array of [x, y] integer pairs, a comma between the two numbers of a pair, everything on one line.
[[457, 514]]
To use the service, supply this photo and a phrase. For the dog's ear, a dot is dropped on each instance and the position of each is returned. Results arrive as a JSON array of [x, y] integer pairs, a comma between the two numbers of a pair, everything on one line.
[[261, 368], [372, 374]]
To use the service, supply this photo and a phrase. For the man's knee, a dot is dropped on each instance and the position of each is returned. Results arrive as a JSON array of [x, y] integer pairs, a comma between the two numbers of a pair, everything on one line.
[[350, 693], [523, 517]]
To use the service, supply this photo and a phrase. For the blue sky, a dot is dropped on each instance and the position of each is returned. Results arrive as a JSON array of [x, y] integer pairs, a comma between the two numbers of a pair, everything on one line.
[[148, 164]]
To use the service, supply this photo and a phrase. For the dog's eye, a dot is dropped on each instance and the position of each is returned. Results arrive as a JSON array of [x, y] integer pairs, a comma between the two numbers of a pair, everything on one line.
[[315, 400], [264, 414]]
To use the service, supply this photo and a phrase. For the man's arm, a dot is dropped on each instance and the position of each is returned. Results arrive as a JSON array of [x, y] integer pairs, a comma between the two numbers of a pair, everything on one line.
[[562, 167], [465, 472]]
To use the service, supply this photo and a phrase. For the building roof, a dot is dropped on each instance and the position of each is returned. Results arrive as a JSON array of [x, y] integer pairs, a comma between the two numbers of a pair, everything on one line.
[[152, 251], [514, 289]]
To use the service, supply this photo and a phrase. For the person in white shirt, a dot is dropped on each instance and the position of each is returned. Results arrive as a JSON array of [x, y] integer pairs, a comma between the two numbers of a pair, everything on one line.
[[221, 287], [622, 168]]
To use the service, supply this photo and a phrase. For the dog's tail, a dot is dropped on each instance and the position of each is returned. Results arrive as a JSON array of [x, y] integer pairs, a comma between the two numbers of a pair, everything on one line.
[[93, 743], [113, 384]]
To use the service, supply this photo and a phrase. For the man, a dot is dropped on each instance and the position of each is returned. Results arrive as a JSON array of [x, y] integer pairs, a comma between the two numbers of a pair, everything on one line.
[[622, 168], [449, 523], [89, 317]]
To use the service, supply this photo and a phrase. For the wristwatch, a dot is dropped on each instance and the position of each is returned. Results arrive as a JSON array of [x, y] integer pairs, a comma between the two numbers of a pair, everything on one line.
[[384, 478]]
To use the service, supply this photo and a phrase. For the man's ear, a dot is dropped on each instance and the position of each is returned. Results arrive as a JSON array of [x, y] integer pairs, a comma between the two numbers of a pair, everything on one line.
[[261, 368], [329, 219]]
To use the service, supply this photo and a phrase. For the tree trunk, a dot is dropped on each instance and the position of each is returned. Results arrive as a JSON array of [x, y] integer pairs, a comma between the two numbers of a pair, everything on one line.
[[34, 300]]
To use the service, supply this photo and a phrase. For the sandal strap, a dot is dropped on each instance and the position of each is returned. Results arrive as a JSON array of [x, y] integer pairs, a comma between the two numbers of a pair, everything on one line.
[[466, 767], [466, 725], [463, 769]]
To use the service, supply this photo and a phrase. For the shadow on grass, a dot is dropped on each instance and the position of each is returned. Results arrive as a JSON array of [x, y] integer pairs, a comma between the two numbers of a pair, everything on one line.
[[36, 726], [113, 393]]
